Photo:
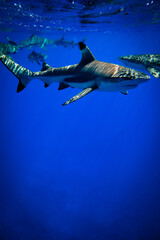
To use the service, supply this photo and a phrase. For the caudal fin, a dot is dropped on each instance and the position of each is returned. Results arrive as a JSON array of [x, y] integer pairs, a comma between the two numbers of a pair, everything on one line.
[[24, 75]]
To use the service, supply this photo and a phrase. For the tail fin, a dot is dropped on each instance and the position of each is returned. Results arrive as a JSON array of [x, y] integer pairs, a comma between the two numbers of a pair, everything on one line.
[[24, 75]]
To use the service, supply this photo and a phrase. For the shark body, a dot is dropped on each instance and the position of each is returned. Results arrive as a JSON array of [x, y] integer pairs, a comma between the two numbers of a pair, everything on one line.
[[65, 43], [36, 41], [149, 61], [37, 57], [88, 75], [7, 48]]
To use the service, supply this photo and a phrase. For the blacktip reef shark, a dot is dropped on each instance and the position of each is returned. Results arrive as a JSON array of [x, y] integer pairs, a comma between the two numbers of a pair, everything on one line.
[[36, 41], [88, 75], [7, 48], [37, 57], [65, 43], [150, 61]]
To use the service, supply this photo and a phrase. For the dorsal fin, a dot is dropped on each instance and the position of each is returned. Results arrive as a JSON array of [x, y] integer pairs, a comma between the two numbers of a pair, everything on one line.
[[87, 56], [45, 66]]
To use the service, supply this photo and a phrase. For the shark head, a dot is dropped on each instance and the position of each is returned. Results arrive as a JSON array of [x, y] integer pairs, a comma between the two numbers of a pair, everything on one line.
[[150, 62], [135, 61], [131, 58], [131, 75]]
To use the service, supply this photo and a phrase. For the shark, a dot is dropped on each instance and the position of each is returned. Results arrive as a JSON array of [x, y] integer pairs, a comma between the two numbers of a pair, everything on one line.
[[37, 57], [36, 41], [65, 43], [149, 61], [7, 48], [88, 75]]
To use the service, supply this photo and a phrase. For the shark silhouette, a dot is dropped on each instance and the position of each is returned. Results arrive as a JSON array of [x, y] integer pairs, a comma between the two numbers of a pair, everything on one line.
[[149, 61], [7, 48], [65, 43], [89, 75], [37, 57], [36, 41]]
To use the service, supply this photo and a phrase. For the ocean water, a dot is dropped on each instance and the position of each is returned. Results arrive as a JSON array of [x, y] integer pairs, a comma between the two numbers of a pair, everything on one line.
[[89, 170]]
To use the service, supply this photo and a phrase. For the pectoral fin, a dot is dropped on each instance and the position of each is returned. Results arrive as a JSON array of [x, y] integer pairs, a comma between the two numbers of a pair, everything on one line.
[[80, 95], [62, 86], [20, 87], [155, 72]]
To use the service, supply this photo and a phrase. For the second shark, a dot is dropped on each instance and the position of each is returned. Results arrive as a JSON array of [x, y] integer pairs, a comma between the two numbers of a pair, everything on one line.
[[149, 61]]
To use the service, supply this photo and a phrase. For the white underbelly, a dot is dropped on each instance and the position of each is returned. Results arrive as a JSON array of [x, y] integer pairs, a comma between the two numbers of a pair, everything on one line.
[[118, 86], [82, 85], [104, 86]]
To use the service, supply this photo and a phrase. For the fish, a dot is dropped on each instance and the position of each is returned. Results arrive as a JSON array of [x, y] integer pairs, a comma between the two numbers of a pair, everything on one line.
[[65, 43], [7, 48], [36, 41], [149, 61], [37, 57], [88, 75]]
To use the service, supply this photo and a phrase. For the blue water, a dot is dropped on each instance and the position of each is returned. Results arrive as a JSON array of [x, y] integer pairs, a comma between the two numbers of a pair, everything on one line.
[[89, 170]]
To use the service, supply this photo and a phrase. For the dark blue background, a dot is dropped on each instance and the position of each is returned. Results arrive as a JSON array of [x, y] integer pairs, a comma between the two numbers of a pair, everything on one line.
[[89, 170]]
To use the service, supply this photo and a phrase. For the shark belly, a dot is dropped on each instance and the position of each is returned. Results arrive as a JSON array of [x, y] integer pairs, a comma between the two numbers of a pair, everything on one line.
[[112, 86], [62, 79], [81, 85]]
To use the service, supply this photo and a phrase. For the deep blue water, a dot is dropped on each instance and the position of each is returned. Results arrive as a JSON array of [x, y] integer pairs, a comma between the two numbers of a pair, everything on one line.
[[89, 170]]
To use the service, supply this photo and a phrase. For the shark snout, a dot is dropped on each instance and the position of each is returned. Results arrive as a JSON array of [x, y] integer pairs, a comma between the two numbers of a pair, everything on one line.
[[127, 60], [131, 59], [126, 57], [122, 58], [140, 75]]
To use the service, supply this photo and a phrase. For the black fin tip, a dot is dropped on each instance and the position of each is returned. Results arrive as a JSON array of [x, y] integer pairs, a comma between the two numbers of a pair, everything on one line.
[[20, 87], [82, 45]]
